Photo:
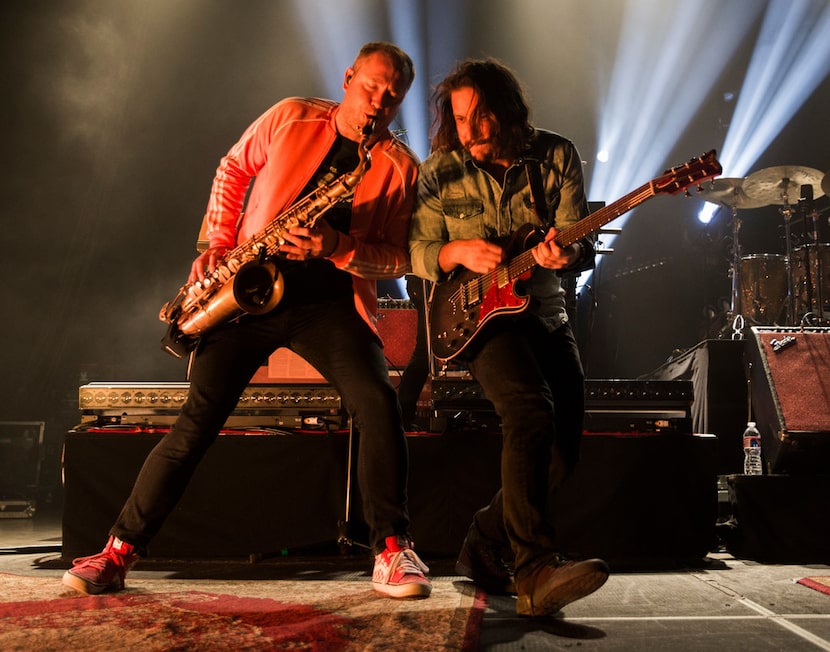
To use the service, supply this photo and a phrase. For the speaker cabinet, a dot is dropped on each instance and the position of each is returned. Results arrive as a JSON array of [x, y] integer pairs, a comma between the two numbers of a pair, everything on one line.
[[790, 392], [21, 452], [397, 326]]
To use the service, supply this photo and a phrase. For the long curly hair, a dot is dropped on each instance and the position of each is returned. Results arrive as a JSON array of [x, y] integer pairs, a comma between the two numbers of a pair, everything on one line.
[[499, 94]]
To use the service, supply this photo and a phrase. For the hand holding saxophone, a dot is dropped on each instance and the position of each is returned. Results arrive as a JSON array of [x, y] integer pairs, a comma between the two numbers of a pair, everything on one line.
[[225, 283], [303, 243], [205, 264]]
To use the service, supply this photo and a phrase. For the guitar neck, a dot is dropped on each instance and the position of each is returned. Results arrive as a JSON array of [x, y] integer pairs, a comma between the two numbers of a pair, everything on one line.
[[587, 225], [600, 218]]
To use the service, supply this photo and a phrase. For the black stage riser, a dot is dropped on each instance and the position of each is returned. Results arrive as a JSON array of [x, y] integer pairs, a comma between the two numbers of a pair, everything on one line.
[[641, 501], [779, 519]]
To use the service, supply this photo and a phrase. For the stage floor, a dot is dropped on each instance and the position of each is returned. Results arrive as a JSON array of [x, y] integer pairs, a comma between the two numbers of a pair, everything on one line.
[[726, 604]]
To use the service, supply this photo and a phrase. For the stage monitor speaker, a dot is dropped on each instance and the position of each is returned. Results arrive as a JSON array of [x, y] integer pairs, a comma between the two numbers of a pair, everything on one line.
[[790, 393]]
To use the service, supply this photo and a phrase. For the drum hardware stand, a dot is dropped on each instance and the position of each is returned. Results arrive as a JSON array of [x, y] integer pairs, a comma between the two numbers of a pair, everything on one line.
[[729, 192], [344, 539], [787, 212], [815, 302], [738, 328], [735, 311]]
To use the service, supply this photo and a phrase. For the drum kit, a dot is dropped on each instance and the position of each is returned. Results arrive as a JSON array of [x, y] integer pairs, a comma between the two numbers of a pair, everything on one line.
[[771, 289]]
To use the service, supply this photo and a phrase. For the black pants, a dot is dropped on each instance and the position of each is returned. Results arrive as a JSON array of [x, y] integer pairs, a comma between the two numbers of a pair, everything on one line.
[[341, 346], [536, 383]]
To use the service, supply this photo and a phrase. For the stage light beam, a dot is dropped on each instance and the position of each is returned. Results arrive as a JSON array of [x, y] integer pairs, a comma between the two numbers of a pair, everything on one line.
[[790, 59], [658, 84]]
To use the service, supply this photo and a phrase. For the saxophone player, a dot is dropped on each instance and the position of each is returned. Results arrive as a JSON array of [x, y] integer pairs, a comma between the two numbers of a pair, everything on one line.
[[326, 313]]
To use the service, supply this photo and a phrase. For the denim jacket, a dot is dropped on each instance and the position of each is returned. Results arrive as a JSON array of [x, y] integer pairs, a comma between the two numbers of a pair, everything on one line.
[[458, 200]]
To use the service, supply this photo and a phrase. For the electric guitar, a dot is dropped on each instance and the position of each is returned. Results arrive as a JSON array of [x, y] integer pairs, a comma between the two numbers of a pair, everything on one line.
[[462, 305]]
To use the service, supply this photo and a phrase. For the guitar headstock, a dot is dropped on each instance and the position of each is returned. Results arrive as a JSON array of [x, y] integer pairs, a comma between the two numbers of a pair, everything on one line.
[[696, 171]]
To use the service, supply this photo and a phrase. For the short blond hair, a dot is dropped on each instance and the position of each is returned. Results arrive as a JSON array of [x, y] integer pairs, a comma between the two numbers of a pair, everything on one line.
[[400, 59]]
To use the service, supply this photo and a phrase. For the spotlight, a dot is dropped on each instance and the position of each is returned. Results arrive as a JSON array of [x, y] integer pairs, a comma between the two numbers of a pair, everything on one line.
[[707, 213]]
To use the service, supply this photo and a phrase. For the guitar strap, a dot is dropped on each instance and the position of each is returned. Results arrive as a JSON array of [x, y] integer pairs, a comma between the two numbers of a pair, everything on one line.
[[537, 193], [537, 201]]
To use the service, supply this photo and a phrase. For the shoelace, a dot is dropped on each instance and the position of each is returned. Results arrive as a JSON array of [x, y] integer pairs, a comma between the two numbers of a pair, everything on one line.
[[408, 562]]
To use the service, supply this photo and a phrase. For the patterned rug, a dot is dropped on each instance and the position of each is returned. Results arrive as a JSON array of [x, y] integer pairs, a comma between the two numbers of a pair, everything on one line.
[[821, 584], [38, 613]]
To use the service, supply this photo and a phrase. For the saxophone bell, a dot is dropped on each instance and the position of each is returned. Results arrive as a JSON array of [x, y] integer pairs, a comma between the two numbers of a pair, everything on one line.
[[256, 288]]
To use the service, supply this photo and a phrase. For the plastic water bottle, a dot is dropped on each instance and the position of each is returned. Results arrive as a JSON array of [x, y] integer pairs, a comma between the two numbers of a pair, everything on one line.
[[752, 450]]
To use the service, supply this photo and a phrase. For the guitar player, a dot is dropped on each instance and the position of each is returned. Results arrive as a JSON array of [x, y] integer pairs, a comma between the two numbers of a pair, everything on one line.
[[489, 175]]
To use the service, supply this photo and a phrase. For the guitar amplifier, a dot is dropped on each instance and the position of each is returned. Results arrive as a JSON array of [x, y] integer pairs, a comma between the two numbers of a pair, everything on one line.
[[791, 397], [398, 327], [610, 405], [308, 406]]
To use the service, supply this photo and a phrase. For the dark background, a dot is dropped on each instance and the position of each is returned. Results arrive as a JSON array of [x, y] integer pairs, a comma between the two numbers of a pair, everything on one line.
[[115, 114]]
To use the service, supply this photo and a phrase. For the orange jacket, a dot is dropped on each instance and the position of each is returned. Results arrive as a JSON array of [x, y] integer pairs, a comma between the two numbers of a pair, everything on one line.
[[282, 149]]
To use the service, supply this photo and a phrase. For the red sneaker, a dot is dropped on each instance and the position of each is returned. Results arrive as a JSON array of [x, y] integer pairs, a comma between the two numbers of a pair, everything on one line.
[[399, 572], [102, 572]]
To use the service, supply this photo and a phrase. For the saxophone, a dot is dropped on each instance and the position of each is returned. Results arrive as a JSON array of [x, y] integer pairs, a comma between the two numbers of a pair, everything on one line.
[[246, 278]]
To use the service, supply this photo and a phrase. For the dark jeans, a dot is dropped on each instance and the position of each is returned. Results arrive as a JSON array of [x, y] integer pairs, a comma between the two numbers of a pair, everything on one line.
[[536, 383], [342, 347]]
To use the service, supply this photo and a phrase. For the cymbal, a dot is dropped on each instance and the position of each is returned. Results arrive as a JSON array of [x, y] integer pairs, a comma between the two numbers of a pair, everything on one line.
[[825, 183], [728, 192], [782, 184]]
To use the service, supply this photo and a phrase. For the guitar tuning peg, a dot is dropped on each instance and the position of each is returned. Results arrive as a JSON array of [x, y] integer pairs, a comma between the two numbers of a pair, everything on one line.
[[686, 193]]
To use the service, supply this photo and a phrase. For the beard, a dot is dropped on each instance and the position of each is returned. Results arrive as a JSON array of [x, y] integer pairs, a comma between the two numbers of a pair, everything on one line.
[[482, 150]]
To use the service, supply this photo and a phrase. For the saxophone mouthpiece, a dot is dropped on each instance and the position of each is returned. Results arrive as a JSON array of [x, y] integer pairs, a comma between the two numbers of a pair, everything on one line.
[[369, 127]]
